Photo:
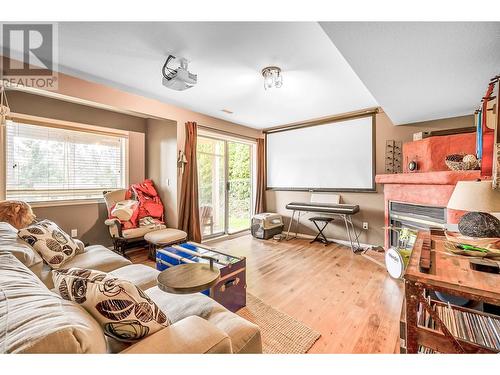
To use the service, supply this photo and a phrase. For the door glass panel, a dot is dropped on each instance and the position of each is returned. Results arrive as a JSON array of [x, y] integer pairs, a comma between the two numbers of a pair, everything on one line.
[[239, 186], [211, 185]]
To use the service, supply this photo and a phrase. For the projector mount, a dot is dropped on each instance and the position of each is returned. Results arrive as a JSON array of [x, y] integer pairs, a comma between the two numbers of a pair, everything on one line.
[[172, 72]]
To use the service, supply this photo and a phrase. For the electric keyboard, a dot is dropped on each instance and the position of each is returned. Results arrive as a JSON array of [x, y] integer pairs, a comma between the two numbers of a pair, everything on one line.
[[343, 209]]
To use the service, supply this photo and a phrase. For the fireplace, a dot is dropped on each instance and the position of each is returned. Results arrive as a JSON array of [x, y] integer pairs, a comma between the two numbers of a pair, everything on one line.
[[414, 216], [419, 199]]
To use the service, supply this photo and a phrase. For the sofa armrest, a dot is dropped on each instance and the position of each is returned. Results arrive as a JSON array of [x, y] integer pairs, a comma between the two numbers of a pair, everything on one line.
[[115, 232], [192, 335]]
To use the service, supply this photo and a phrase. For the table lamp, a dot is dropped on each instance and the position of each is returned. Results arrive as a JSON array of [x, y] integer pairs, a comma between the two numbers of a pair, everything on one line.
[[479, 198]]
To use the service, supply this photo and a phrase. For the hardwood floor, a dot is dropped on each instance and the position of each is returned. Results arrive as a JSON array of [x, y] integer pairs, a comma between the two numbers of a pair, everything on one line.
[[350, 300]]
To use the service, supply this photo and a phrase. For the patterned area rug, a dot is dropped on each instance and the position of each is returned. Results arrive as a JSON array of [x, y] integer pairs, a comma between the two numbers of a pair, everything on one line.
[[281, 334]]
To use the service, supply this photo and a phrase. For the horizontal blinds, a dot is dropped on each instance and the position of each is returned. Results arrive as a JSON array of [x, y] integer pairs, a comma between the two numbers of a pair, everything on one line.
[[48, 163]]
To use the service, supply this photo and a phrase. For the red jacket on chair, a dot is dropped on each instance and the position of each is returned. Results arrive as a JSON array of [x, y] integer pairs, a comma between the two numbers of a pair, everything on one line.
[[149, 201]]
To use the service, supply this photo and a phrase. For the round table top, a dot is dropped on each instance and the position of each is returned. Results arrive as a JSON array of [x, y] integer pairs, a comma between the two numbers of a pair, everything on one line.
[[188, 278]]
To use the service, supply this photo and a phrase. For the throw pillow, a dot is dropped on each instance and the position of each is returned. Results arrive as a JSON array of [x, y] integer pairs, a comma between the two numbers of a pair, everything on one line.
[[124, 311], [51, 242]]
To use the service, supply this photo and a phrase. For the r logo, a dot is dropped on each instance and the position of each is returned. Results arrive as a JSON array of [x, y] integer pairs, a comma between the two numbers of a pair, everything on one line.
[[27, 49], [29, 55]]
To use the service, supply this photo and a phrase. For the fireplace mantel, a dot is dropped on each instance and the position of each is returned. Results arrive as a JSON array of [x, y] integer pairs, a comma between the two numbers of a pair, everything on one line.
[[428, 178]]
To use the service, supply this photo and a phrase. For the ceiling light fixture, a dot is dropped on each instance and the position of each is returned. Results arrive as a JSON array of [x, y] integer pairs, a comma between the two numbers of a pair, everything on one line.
[[272, 77]]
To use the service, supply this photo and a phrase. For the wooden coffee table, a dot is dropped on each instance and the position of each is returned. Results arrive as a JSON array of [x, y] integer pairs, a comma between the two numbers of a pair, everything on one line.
[[188, 278]]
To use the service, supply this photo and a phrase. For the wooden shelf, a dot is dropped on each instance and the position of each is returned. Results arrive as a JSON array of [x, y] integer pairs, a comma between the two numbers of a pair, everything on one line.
[[450, 274], [436, 340]]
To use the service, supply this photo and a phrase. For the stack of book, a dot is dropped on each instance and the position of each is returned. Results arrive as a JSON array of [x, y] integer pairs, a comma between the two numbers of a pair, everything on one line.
[[473, 327], [425, 350], [478, 328]]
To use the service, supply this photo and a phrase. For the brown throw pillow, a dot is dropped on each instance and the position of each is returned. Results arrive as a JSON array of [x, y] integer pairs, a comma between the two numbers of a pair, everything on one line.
[[51, 242], [124, 311]]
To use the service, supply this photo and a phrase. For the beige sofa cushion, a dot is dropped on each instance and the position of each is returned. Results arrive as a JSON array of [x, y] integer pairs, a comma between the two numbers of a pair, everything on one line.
[[245, 336], [9, 241], [95, 257], [192, 335], [35, 320], [124, 311], [98, 257], [142, 276], [54, 245]]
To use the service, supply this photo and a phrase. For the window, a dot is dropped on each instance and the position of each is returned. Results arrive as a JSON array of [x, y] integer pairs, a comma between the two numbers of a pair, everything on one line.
[[47, 163]]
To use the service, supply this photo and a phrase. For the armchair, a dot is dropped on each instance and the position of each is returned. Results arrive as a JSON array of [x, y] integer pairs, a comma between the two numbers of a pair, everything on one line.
[[123, 238]]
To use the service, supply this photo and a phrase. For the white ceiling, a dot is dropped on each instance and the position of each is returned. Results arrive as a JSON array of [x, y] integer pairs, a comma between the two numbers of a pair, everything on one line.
[[421, 71], [228, 58], [415, 71]]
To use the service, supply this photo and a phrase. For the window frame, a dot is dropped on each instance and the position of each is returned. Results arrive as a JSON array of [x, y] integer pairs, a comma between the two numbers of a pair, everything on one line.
[[75, 126], [230, 137]]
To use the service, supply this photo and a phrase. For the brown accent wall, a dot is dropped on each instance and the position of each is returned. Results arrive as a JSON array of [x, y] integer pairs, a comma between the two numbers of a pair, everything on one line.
[[42, 106], [161, 166], [89, 218], [371, 204]]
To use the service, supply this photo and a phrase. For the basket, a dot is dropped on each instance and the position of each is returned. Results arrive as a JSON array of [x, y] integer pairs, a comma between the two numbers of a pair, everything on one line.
[[457, 238], [455, 163]]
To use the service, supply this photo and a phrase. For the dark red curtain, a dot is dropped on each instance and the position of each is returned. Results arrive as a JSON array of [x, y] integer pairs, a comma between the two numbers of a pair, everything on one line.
[[189, 213], [260, 196]]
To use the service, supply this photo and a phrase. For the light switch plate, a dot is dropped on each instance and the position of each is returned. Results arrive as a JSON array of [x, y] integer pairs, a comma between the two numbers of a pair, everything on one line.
[[74, 232]]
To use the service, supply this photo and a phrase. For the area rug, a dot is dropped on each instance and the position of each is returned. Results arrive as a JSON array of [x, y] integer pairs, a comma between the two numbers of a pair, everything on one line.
[[281, 334]]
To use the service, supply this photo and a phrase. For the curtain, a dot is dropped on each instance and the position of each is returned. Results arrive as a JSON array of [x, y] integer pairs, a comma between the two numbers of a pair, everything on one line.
[[189, 214], [260, 196]]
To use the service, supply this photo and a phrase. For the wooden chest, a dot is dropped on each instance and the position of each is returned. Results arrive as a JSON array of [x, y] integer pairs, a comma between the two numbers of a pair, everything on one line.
[[230, 291]]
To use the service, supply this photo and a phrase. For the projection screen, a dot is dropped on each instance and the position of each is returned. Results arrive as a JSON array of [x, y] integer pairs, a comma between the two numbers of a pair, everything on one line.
[[334, 156]]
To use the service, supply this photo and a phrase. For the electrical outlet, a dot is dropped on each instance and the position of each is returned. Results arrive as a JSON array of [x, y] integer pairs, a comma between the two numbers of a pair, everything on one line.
[[74, 232], [365, 225]]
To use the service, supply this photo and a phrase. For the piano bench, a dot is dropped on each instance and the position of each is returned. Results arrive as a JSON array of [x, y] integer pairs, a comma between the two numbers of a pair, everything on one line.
[[321, 218], [320, 237]]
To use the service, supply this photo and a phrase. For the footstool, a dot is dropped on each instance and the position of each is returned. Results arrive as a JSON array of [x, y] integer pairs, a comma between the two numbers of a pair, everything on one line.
[[163, 237]]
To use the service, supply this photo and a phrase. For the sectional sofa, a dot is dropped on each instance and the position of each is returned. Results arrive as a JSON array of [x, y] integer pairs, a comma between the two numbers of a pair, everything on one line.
[[34, 318]]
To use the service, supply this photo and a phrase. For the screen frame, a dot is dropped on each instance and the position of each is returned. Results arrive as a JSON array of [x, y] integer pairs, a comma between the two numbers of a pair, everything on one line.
[[332, 121]]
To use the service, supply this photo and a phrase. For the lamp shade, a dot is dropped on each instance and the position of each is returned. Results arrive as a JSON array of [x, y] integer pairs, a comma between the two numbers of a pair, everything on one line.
[[478, 196]]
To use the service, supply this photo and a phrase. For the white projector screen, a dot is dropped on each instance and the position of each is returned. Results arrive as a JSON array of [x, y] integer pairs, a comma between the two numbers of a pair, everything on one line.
[[336, 156]]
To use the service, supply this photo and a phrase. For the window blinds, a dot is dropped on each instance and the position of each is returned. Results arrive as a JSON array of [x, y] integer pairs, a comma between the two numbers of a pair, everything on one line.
[[48, 163]]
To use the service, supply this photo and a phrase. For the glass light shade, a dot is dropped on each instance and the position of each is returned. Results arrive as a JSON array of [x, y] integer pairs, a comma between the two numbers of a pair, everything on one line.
[[272, 77], [279, 81], [268, 81]]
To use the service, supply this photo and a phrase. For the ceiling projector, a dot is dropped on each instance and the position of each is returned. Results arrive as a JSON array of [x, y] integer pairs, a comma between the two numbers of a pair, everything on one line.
[[179, 78]]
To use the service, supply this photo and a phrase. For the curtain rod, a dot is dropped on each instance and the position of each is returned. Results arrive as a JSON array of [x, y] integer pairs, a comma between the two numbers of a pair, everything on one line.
[[227, 133], [346, 116]]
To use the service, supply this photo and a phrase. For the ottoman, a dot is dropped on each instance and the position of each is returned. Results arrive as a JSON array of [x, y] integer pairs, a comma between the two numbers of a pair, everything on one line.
[[163, 237]]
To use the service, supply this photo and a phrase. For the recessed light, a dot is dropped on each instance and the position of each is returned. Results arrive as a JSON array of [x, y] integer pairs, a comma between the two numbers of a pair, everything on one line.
[[227, 111]]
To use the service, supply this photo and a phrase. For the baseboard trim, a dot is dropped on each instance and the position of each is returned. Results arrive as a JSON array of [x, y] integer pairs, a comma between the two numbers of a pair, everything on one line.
[[365, 246]]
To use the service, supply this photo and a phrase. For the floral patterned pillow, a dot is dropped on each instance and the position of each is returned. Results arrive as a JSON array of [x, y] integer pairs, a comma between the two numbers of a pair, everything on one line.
[[124, 311], [51, 242]]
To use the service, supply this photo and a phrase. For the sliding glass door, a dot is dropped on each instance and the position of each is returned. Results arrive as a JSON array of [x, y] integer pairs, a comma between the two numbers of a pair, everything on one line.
[[211, 155], [225, 185], [239, 186]]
